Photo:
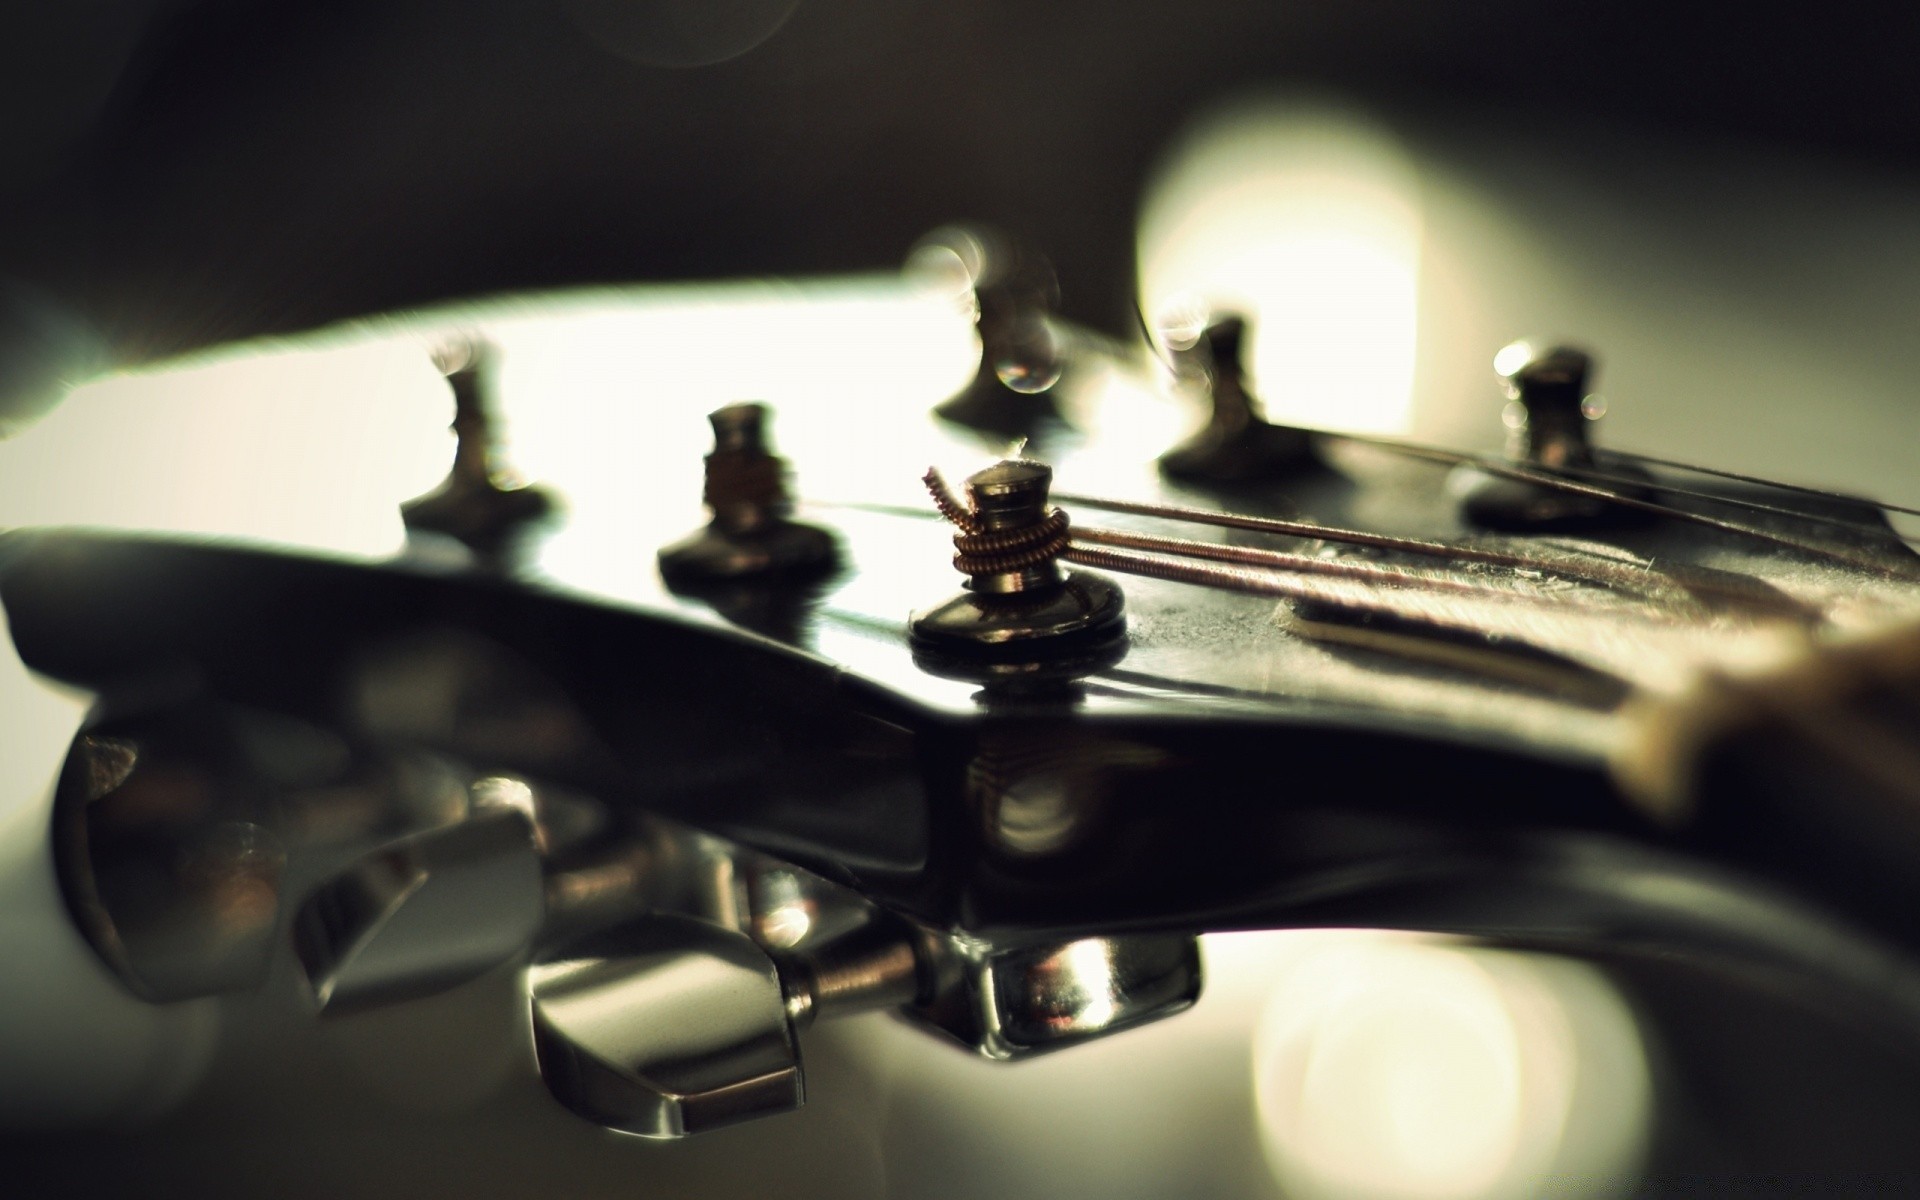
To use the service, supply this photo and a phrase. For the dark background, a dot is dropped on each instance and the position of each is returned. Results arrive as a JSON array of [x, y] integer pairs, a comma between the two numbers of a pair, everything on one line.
[[177, 173]]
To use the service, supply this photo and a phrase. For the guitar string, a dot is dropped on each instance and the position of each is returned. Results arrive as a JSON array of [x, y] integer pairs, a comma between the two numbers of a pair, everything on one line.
[[1271, 559], [1620, 576], [1233, 579], [1497, 467], [1410, 596], [1659, 587], [1669, 489], [1553, 477], [1573, 487], [961, 516], [1424, 605], [1391, 604], [1799, 489]]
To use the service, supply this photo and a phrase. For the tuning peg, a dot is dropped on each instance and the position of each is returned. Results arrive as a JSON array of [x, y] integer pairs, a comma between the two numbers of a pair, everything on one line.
[[751, 534], [665, 1027], [481, 503], [170, 862], [1014, 292], [1009, 1004], [423, 913], [1550, 386], [669, 1025], [1549, 412], [1237, 445], [1019, 604]]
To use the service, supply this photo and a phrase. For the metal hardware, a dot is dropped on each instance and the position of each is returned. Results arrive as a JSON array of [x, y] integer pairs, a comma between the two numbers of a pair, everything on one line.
[[670, 1025], [1547, 414], [1237, 445], [750, 534], [1018, 601], [664, 1027], [423, 914], [1014, 292], [167, 855], [1016, 1003], [877, 963], [482, 504]]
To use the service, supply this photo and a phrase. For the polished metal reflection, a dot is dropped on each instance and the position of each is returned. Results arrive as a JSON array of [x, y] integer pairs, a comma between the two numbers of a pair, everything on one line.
[[665, 1027], [423, 914], [1014, 1003], [167, 863]]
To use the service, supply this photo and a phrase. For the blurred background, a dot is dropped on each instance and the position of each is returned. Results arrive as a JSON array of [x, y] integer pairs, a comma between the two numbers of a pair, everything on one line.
[[1725, 207]]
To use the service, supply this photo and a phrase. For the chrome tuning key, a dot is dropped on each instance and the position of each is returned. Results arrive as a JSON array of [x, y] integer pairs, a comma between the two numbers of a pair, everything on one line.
[[751, 534], [1237, 445], [1019, 603], [422, 914], [669, 1025], [1548, 414], [482, 504]]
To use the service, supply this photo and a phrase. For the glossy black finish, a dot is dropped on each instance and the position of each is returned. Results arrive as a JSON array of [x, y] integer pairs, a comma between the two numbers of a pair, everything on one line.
[[1025, 816], [1081, 613]]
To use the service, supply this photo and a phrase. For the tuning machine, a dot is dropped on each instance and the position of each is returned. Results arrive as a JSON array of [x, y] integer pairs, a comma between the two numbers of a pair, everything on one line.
[[1238, 445], [1019, 605], [1549, 413], [751, 535], [482, 503], [1013, 293]]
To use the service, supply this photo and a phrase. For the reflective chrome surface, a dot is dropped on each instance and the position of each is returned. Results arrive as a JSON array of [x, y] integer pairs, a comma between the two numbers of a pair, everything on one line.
[[422, 914], [1011, 292], [1014, 1003], [665, 1027]]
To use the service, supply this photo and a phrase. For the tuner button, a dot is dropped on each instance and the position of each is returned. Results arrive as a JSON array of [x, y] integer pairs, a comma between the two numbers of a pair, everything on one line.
[[1009, 1004], [1549, 411], [1014, 292], [481, 504], [1019, 606], [168, 860], [665, 1027], [750, 535], [1237, 445], [422, 914]]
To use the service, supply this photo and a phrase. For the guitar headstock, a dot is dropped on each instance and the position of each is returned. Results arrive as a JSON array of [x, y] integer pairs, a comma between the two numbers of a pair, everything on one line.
[[992, 755]]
